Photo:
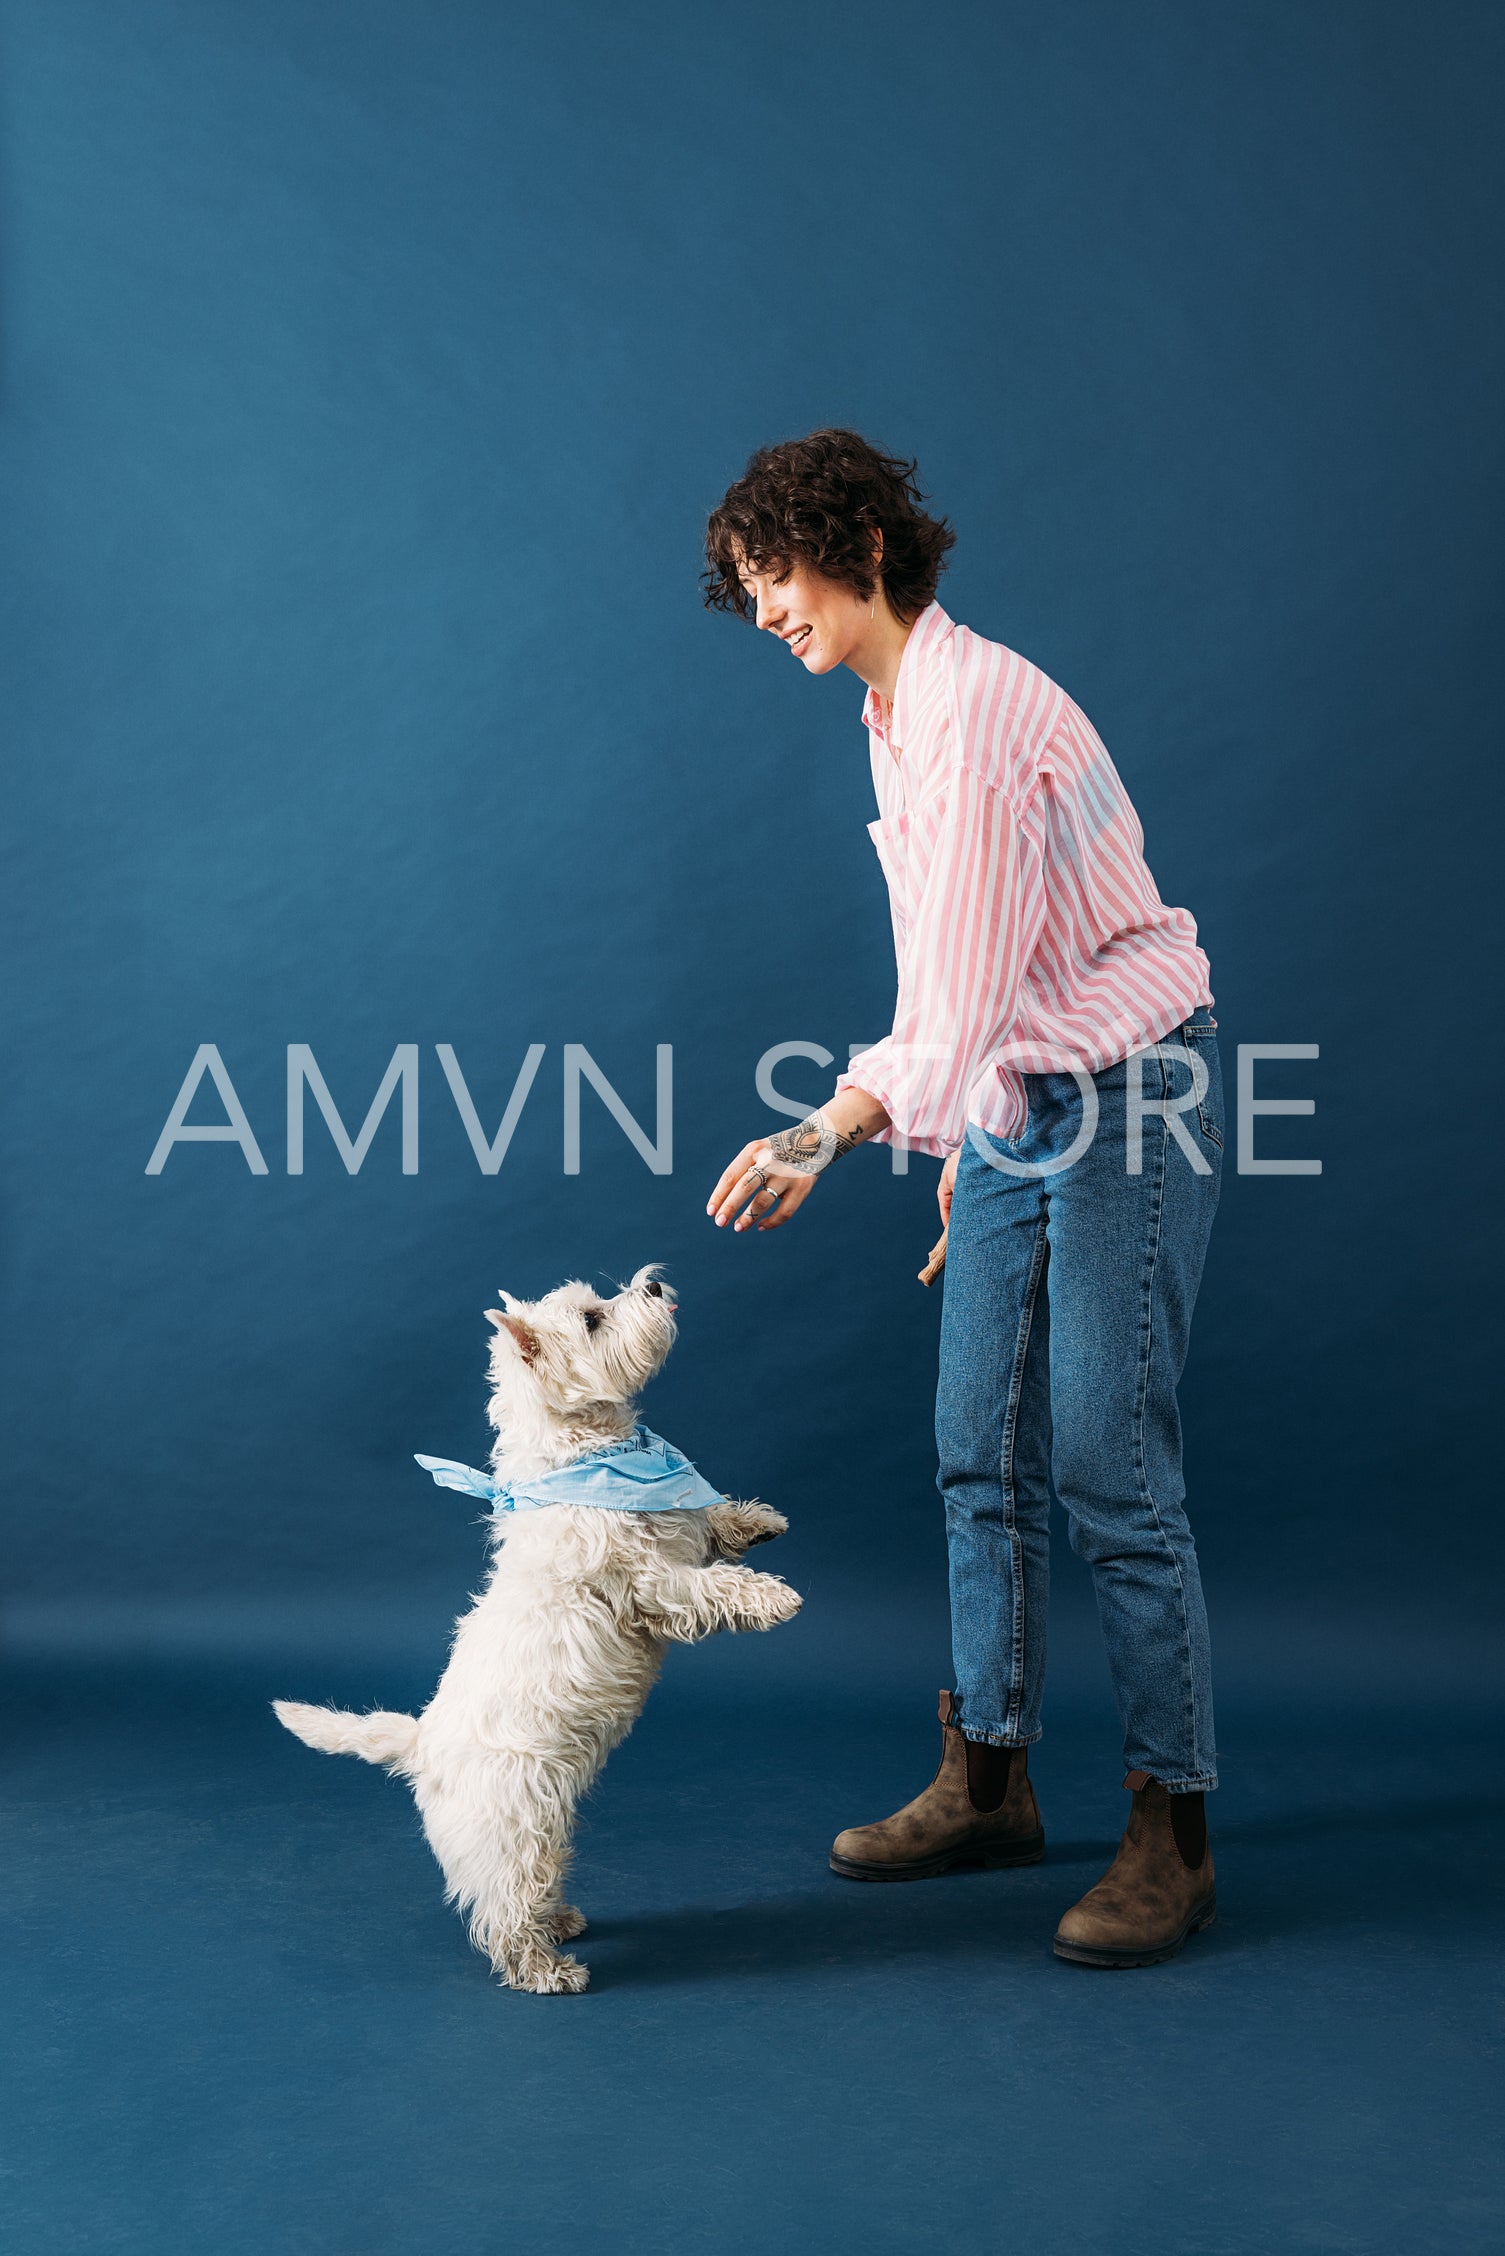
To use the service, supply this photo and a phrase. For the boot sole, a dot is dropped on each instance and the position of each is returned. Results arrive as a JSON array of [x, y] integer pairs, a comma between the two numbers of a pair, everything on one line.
[[1088, 1954], [980, 1859]]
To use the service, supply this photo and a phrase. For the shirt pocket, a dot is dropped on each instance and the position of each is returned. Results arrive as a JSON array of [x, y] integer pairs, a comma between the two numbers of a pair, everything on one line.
[[889, 836], [905, 844]]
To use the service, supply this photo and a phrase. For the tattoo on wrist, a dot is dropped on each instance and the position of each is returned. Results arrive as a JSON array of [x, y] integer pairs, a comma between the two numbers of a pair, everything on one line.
[[812, 1145]]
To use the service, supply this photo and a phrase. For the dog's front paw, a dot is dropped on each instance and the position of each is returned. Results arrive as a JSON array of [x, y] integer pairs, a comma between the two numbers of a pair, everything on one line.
[[567, 1922], [737, 1527], [777, 1603]]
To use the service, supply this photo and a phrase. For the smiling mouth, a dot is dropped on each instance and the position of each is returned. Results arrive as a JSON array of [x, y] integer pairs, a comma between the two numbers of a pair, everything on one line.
[[799, 641]]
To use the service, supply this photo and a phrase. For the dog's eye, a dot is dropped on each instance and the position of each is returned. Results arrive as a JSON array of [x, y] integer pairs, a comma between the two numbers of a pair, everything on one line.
[[592, 1319]]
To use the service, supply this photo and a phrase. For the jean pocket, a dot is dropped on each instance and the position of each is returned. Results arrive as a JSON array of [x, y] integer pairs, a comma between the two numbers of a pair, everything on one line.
[[1210, 1096]]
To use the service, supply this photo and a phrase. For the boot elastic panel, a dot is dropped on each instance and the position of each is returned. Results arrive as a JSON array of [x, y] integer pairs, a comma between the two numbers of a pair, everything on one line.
[[989, 1770], [1189, 1829]]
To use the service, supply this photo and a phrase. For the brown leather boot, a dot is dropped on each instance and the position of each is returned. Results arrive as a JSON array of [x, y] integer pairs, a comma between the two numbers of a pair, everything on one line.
[[978, 1810], [1157, 1891]]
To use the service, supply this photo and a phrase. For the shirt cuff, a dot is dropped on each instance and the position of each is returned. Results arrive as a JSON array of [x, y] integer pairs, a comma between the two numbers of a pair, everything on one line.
[[873, 1070]]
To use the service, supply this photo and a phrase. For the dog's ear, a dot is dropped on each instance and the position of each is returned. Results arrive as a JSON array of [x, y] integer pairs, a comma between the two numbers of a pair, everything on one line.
[[527, 1342]]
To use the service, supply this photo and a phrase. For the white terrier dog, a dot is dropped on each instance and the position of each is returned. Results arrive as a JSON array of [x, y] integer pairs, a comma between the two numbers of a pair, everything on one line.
[[590, 1580]]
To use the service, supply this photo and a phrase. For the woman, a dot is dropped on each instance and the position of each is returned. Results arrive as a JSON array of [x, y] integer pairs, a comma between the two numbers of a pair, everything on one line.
[[1052, 1044]]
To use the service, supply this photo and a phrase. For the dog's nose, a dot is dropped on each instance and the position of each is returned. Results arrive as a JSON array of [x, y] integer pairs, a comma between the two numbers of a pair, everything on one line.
[[655, 1288]]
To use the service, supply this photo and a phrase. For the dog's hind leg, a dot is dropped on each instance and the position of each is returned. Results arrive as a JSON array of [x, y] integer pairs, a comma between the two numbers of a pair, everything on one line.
[[526, 1959], [519, 1940], [511, 1885]]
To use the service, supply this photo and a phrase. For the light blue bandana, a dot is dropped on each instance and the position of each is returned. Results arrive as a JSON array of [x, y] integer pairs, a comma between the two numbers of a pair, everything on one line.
[[641, 1474]]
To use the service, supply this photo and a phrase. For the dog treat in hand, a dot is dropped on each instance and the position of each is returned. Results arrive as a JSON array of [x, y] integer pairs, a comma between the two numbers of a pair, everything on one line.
[[937, 1261]]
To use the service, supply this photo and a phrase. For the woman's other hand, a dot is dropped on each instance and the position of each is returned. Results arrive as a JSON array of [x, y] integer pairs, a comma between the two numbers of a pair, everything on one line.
[[946, 1186]]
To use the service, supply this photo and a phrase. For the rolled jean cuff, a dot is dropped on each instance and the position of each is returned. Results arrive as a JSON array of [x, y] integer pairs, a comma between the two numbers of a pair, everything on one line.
[[1206, 1782], [982, 1734]]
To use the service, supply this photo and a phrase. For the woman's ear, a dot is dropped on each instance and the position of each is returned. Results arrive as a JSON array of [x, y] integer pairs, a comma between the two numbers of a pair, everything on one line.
[[527, 1341]]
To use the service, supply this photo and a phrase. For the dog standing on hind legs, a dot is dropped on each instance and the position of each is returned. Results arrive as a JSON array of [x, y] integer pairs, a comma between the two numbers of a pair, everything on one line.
[[608, 1547]]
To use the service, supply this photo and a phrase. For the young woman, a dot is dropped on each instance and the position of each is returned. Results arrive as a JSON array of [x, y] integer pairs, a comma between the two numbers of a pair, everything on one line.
[[1052, 1044]]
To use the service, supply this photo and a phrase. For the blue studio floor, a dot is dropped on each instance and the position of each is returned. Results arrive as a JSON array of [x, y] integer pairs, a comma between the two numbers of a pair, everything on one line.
[[248, 2026]]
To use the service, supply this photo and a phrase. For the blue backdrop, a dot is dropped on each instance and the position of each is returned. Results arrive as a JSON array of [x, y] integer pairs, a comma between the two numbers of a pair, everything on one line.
[[369, 371]]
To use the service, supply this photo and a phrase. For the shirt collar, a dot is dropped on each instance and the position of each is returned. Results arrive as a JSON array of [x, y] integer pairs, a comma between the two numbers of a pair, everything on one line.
[[928, 629]]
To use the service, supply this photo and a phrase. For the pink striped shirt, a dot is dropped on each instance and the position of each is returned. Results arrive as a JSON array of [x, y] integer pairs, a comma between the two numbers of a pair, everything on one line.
[[1029, 934]]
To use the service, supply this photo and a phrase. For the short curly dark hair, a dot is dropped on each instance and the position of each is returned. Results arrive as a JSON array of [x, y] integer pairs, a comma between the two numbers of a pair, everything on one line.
[[818, 501]]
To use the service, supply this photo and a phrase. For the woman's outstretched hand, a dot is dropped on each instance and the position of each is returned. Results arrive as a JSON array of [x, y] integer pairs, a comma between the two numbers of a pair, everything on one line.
[[772, 1177], [756, 1193]]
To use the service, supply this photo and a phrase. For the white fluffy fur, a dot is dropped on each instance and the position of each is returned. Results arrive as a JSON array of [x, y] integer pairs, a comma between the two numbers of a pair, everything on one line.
[[550, 1668]]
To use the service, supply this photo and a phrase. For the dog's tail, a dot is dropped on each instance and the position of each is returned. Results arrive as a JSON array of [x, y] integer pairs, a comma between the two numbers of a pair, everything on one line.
[[378, 1738]]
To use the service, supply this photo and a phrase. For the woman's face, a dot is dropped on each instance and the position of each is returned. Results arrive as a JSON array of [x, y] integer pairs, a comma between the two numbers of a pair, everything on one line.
[[819, 621]]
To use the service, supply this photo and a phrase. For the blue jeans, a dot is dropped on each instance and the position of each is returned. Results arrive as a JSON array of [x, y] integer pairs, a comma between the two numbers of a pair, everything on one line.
[[1068, 1300]]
